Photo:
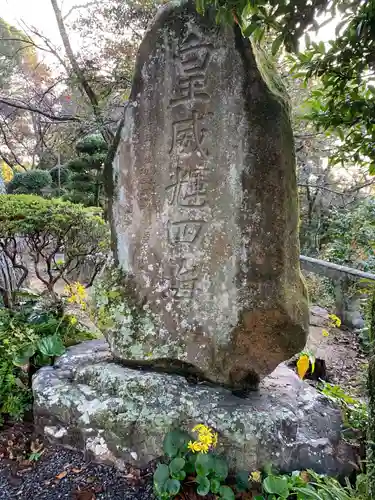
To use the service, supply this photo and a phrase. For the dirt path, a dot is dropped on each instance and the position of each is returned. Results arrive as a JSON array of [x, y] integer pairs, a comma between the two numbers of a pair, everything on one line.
[[345, 360]]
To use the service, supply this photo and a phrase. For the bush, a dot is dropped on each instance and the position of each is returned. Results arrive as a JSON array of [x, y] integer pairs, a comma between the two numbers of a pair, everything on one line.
[[321, 290], [64, 175], [30, 182], [351, 235], [49, 228], [91, 144], [30, 337]]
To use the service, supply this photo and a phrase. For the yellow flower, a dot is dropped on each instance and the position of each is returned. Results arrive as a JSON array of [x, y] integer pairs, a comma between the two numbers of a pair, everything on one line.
[[336, 321], [197, 447], [255, 476], [206, 439], [199, 427], [73, 320], [76, 294], [325, 333], [214, 439]]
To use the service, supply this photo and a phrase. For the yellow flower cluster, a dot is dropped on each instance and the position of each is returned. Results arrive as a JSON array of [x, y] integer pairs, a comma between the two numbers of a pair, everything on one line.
[[76, 294], [255, 476], [207, 439], [335, 320]]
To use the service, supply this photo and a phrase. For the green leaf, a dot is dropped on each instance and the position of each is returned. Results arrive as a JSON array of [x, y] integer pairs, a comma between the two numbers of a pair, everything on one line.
[[190, 463], [277, 44], [340, 133], [175, 442], [322, 48], [249, 30], [215, 485], [277, 485], [172, 486], [41, 360], [176, 465], [306, 493], [226, 493], [181, 475], [203, 485], [51, 346], [242, 480], [24, 355], [204, 464], [220, 468], [161, 476]]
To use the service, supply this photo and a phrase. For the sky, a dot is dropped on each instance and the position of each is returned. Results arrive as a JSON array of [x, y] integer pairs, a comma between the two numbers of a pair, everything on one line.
[[39, 13]]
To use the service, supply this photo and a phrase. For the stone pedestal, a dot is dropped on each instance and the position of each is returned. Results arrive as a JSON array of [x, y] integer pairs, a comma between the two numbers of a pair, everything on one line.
[[121, 415]]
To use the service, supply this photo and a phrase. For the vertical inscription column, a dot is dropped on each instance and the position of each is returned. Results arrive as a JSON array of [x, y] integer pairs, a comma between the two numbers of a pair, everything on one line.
[[187, 191]]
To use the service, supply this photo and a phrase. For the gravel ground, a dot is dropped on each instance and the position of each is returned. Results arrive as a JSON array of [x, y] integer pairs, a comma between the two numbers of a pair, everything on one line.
[[63, 474]]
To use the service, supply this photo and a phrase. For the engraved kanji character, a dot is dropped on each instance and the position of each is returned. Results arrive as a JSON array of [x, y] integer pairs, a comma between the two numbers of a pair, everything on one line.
[[194, 58], [188, 136], [190, 189], [184, 278], [191, 87], [184, 231]]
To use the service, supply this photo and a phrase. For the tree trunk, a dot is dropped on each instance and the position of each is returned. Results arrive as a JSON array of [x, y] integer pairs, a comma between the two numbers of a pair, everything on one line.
[[85, 85], [371, 407]]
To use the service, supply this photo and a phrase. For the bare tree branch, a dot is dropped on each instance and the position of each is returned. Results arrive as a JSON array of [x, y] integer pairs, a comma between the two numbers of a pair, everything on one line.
[[29, 107], [76, 7]]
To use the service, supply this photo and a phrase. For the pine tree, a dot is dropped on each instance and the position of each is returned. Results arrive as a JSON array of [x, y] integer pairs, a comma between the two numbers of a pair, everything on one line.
[[85, 184]]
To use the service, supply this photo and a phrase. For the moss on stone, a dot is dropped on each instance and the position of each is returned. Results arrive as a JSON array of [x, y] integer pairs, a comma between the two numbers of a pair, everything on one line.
[[270, 75]]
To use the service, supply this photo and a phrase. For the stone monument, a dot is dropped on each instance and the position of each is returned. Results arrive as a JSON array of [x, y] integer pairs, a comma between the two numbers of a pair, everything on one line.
[[204, 218], [205, 207]]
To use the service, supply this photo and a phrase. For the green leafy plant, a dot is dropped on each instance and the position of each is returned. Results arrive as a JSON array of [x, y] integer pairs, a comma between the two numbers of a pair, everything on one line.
[[35, 456], [194, 459], [355, 412], [15, 396], [41, 352], [31, 336], [309, 485]]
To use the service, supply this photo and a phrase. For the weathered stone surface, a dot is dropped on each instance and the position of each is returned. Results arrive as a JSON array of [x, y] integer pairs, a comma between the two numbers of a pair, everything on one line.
[[121, 415], [205, 207]]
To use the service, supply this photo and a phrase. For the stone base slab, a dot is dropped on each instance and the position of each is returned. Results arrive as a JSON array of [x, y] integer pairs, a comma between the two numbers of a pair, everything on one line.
[[120, 415]]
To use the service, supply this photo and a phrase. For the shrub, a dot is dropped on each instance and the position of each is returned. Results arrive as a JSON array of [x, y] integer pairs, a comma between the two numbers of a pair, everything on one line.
[[15, 396], [64, 175], [30, 182], [320, 289], [91, 144], [31, 336], [86, 182], [49, 228], [351, 235]]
